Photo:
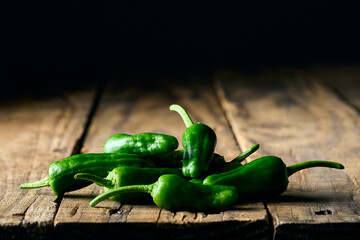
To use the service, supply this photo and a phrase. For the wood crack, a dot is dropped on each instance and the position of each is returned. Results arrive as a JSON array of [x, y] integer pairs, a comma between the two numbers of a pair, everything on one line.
[[80, 142], [158, 217], [74, 210], [270, 221], [23, 214]]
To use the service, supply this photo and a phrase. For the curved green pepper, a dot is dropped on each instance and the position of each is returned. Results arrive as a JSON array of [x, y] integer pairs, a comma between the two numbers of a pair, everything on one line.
[[199, 142], [236, 162], [174, 160], [142, 143], [61, 173], [128, 175], [176, 193], [219, 165], [168, 160], [264, 177]]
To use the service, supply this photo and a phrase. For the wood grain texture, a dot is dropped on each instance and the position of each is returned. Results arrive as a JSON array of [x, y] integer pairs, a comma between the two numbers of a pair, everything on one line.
[[297, 114], [344, 80], [140, 103], [296, 117], [33, 133]]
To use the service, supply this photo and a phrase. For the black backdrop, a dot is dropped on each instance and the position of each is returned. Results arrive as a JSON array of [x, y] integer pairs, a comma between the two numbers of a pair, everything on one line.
[[43, 36]]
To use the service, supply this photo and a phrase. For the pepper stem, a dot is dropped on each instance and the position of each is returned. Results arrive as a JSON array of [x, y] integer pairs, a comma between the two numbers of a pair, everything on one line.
[[96, 179], [246, 153], [127, 189], [38, 184], [309, 164], [185, 116]]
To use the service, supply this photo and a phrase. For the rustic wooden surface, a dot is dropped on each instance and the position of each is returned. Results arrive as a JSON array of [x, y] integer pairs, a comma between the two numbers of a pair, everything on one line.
[[299, 118], [297, 114], [146, 109], [34, 133]]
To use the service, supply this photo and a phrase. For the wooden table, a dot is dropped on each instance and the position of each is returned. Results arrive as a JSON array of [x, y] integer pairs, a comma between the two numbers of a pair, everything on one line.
[[297, 114]]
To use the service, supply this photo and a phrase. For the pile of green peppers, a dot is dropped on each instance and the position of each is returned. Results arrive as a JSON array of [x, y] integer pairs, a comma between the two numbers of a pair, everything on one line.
[[149, 167]]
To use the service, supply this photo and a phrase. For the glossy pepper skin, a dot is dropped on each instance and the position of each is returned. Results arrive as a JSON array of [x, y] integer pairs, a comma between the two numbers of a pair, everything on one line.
[[199, 142], [219, 165], [236, 162], [128, 175], [263, 178], [176, 193], [61, 173], [168, 160], [174, 160], [142, 143]]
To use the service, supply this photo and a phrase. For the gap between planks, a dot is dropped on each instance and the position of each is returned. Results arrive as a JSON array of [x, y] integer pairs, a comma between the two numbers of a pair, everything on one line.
[[220, 95], [78, 145], [45, 129]]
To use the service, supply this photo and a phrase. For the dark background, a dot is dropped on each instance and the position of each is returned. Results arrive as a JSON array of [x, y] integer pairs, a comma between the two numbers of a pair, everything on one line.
[[54, 43]]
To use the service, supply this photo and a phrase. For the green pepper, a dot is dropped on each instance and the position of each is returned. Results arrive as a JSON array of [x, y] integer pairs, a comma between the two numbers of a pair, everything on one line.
[[61, 173], [219, 165], [142, 143], [236, 162], [199, 142], [174, 160], [197, 180], [168, 160], [128, 175], [264, 177], [176, 193]]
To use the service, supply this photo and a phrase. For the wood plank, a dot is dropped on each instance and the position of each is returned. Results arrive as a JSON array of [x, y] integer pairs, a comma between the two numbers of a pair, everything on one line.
[[344, 80], [142, 105], [36, 131], [294, 116]]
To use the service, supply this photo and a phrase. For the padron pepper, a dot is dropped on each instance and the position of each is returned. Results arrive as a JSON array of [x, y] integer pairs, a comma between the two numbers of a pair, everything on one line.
[[219, 165], [174, 160], [168, 160], [142, 143], [128, 175], [264, 177], [199, 142], [173, 192], [236, 162], [61, 173]]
